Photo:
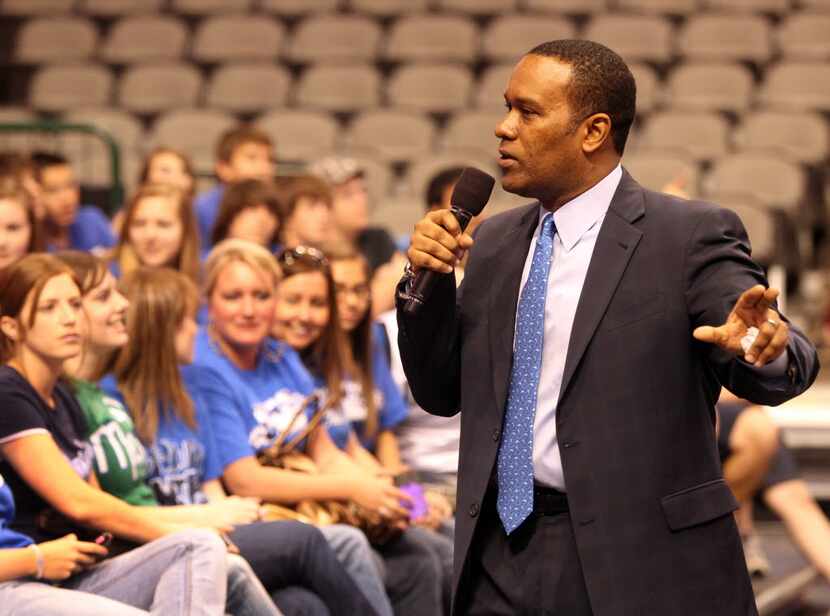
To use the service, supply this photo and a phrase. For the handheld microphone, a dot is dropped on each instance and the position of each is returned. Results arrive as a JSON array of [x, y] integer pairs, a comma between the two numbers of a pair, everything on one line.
[[469, 197]]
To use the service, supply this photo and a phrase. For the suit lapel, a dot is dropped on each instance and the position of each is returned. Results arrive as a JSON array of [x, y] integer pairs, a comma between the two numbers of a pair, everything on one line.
[[504, 296], [615, 244]]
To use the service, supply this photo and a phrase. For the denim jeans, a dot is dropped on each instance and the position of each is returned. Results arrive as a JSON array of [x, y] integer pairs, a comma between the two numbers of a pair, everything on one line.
[[246, 594], [355, 554], [179, 575]]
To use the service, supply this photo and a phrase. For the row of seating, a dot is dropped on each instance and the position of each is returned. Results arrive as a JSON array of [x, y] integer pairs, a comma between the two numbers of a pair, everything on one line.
[[422, 87], [109, 8], [429, 37]]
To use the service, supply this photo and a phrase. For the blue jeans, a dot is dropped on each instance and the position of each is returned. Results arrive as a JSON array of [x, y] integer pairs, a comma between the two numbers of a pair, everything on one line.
[[355, 554], [179, 575], [246, 595]]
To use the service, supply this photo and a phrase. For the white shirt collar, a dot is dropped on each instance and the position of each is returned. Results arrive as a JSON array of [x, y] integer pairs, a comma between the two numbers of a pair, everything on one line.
[[582, 212]]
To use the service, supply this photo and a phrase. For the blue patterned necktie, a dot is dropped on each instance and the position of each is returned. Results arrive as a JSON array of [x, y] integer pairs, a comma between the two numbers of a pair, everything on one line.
[[515, 462]]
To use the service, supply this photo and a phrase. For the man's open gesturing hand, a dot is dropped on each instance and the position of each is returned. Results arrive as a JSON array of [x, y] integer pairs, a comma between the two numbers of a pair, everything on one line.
[[751, 310]]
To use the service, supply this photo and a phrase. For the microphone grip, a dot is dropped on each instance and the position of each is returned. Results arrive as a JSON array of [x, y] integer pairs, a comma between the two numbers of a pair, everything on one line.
[[423, 282]]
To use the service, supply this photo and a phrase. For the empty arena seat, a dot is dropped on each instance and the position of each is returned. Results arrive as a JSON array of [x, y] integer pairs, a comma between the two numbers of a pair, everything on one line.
[[663, 7], [437, 88], [711, 86], [698, 135], [473, 130], [335, 38], [248, 87], [576, 7], [395, 135], [208, 7], [771, 180], [237, 37], [145, 38], [803, 137], [55, 39], [150, 88], [300, 135], [194, 132], [797, 86], [634, 37], [291, 8], [726, 37], [114, 8], [57, 88], [339, 88], [432, 38], [477, 7], [805, 36], [656, 170], [490, 89], [36, 7], [508, 37]]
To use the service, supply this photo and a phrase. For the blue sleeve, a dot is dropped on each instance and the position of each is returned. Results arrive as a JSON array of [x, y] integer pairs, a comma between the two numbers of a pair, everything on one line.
[[225, 417], [394, 409], [213, 465], [96, 228]]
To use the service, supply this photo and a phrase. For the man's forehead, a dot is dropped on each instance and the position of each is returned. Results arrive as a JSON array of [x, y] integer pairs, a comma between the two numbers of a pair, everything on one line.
[[536, 77]]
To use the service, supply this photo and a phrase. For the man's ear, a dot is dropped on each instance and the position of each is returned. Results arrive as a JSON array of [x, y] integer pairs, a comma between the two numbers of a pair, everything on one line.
[[10, 328], [597, 132]]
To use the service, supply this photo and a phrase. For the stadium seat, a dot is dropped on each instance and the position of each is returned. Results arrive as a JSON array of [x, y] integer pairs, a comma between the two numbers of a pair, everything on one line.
[[816, 5], [726, 37], [291, 8], [797, 86], [805, 36], [759, 222], [575, 7], [341, 38], [55, 39], [430, 38], [662, 7], [649, 87], [150, 88], [56, 88], [802, 137], [245, 88], [635, 37], [397, 136], [508, 37], [477, 7], [656, 170], [145, 38], [489, 92], [701, 136], [773, 181], [237, 37], [398, 216], [710, 86], [14, 140], [194, 132], [435, 88], [114, 8], [473, 130], [93, 155], [300, 135], [389, 8], [421, 171], [209, 7], [748, 6], [36, 7], [338, 88]]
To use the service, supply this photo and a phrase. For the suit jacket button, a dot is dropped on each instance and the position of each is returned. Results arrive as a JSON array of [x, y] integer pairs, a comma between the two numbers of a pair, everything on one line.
[[496, 435], [473, 510]]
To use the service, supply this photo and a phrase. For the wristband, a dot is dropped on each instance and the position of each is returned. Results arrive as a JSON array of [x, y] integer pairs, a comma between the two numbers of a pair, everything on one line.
[[39, 563]]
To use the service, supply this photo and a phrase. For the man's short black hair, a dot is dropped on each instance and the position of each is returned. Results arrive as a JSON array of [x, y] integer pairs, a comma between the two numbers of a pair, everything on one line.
[[601, 82], [438, 184], [43, 160]]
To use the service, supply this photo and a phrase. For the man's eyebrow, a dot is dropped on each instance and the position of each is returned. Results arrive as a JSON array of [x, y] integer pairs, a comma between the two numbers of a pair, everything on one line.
[[524, 102]]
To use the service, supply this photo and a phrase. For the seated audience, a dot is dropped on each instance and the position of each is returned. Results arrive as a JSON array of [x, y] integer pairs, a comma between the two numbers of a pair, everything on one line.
[[47, 464], [757, 464], [307, 201], [250, 210], [243, 153], [159, 230], [67, 223], [20, 232], [350, 210], [257, 390]]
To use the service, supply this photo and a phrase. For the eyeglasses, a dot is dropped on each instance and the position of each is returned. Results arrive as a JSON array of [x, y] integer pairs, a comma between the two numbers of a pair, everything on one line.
[[289, 256]]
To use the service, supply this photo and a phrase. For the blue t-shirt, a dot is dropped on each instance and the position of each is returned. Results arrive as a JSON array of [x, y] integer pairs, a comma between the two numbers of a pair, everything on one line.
[[249, 409], [350, 414], [181, 458], [91, 231], [8, 537], [206, 207]]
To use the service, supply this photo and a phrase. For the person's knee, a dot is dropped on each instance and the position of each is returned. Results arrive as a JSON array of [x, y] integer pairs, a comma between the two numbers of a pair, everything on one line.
[[756, 433]]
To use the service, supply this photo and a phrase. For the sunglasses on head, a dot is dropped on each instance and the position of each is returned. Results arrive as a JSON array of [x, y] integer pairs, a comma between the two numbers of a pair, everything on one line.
[[289, 256]]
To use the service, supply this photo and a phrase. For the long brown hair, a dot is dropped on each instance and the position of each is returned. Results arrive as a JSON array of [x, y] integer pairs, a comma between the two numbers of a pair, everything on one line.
[[329, 356], [360, 338], [20, 280], [187, 259], [147, 369]]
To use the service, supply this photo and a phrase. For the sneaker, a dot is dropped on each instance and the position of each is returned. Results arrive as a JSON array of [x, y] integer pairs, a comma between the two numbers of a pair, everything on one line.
[[757, 562]]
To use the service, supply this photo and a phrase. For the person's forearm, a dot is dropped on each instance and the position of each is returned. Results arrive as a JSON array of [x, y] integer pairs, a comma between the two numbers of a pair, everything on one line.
[[387, 451], [17, 563], [105, 512], [289, 487]]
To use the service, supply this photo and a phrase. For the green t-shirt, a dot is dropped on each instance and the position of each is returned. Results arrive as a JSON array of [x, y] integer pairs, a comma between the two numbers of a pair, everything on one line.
[[120, 458]]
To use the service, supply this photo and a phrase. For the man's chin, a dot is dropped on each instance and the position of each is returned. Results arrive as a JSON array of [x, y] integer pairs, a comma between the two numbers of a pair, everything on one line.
[[515, 186]]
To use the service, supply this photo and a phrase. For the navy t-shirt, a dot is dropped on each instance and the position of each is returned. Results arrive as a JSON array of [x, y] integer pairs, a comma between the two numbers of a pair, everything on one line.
[[180, 459], [24, 413], [250, 409]]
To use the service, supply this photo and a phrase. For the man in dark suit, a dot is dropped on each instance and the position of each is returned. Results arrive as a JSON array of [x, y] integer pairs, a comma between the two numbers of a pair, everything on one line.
[[585, 349]]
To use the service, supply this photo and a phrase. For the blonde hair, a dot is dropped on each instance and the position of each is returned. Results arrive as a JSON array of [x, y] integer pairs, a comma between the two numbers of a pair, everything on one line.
[[147, 369], [187, 258], [238, 251]]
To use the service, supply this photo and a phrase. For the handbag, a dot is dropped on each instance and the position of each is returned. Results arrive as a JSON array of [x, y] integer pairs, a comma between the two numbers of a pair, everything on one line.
[[283, 454]]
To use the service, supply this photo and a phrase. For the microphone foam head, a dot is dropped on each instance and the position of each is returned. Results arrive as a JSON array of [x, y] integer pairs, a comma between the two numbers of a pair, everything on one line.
[[472, 191]]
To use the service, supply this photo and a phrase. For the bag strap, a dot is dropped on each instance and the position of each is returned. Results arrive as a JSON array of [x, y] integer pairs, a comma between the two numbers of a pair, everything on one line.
[[282, 446]]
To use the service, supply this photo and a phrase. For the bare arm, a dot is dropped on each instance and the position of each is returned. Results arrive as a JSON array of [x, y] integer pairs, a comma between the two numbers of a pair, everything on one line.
[[41, 464], [388, 453]]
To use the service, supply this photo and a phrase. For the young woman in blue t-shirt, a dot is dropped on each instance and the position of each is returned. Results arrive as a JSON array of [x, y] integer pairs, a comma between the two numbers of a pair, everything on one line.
[[47, 462]]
